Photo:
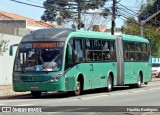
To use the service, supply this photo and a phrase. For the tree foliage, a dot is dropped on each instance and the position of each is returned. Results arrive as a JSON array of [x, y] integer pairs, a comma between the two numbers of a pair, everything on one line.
[[148, 9], [151, 32], [65, 11]]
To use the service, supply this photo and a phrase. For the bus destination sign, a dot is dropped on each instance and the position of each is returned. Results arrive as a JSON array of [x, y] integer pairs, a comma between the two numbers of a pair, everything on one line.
[[45, 45], [42, 45]]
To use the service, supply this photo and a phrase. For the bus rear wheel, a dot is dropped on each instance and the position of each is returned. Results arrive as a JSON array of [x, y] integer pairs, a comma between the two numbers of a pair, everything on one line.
[[78, 88], [110, 85], [36, 94], [138, 84]]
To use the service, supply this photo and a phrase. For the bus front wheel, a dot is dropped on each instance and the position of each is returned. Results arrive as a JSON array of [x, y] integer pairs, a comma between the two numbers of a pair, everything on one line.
[[78, 88], [36, 94], [110, 85]]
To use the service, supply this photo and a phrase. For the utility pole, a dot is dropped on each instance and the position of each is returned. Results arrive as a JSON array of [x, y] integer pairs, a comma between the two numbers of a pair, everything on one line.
[[113, 17], [144, 21], [79, 15]]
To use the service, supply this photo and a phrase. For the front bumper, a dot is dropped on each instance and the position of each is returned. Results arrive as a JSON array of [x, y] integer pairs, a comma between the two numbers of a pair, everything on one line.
[[38, 86]]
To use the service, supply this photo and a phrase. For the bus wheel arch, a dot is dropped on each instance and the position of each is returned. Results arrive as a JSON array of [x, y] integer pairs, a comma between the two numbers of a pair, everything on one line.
[[141, 76], [110, 82], [79, 85]]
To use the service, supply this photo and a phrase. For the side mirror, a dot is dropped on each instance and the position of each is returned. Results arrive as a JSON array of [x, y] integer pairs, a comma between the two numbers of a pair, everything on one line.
[[69, 51], [11, 50]]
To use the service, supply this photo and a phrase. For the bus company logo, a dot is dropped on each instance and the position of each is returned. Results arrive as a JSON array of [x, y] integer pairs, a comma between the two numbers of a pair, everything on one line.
[[38, 68], [6, 109]]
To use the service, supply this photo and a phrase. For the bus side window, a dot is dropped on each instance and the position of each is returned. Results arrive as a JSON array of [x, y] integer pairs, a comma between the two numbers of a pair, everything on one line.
[[138, 52], [106, 50], [125, 50], [144, 52], [113, 50], [131, 51], [88, 50], [78, 51], [97, 50]]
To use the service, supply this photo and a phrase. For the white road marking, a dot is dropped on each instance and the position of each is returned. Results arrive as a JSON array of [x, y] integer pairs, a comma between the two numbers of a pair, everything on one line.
[[25, 105], [128, 92], [29, 100]]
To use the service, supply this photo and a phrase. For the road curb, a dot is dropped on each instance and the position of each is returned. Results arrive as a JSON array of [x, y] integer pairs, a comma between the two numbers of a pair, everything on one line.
[[14, 95]]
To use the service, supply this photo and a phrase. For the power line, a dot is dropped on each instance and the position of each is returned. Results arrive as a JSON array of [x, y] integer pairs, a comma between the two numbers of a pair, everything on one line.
[[128, 8], [26, 4], [34, 2], [126, 11]]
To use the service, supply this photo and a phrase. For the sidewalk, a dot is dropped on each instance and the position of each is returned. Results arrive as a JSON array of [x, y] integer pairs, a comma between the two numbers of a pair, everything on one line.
[[7, 91]]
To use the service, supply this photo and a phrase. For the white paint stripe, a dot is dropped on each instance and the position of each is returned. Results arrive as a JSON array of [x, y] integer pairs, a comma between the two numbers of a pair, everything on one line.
[[129, 92], [25, 105], [29, 100], [92, 113]]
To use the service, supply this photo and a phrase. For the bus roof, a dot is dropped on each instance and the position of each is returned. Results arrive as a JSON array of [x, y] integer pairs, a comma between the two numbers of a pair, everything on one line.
[[91, 34], [49, 34], [61, 34], [133, 38]]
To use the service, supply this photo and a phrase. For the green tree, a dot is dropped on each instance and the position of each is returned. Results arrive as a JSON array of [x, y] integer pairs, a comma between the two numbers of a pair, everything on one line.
[[148, 9], [131, 26], [65, 11], [151, 32]]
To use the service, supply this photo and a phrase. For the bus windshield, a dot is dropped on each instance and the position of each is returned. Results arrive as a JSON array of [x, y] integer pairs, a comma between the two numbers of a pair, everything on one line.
[[39, 57]]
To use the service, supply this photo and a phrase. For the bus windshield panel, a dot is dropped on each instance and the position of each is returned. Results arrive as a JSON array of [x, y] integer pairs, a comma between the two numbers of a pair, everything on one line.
[[43, 56]]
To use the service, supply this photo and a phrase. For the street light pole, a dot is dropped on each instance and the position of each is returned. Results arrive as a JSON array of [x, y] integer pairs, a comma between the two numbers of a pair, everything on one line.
[[79, 14], [142, 28], [113, 17]]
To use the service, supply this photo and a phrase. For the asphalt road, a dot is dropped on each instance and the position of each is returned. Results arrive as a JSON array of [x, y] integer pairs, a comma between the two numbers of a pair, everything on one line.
[[120, 101]]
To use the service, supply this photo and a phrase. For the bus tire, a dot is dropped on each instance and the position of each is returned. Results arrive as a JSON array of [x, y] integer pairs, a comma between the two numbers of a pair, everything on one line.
[[138, 85], [78, 88], [109, 85], [36, 94]]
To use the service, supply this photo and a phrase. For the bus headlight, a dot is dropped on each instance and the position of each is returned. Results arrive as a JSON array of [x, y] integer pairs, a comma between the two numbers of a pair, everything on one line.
[[55, 79], [16, 78]]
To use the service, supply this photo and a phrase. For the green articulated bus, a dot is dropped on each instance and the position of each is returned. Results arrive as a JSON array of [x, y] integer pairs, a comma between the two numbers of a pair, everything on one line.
[[61, 59]]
